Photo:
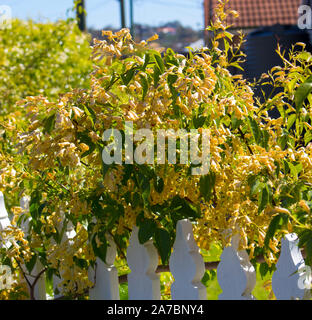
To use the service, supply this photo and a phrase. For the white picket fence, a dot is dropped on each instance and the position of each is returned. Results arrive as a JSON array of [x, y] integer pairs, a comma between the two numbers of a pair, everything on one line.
[[235, 274]]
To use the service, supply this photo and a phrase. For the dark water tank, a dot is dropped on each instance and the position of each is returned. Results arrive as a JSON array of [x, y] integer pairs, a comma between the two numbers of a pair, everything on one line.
[[260, 49]]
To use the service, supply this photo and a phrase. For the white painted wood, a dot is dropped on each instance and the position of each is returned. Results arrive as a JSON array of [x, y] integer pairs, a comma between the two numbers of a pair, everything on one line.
[[105, 276], [4, 217], [236, 275], [186, 265], [143, 282], [286, 277], [24, 204], [70, 232]]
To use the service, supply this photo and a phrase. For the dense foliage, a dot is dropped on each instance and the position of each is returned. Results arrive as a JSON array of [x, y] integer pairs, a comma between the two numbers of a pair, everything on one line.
[[259, 184], [41, 58]]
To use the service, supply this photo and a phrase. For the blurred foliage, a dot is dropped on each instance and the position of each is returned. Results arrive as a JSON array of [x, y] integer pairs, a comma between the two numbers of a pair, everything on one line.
[[42, 59]]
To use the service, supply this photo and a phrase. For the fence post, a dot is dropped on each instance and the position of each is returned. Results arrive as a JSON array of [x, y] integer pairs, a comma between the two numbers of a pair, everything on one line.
[[236, 275], [105, 276], [186, 265], [143, 282], [285, 280]]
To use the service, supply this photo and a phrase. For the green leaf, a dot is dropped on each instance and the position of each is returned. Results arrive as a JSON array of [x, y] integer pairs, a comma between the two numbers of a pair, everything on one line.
[[206, 185], [255, 187], [199, 121], [144, 84], [159, 184], [127, 77], [283, 140], [34, 205], [31, 263], [291, 120], [263, 198], [256, 132], [89, 114], [295, 169], [265, 139], [276, 223], [309, 251], [302, 93], [49, 124], [235, 121], [146, 61], [81, 263], [159, 63], [163, 244], [102, 249], [172, 78], [182, 208], [304, 236], [307, 137], [156, 75], [146, 230], [49, 281], [264, 269]]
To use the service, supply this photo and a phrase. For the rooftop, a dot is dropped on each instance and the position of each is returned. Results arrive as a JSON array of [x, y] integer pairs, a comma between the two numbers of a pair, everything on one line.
[[258, 13]]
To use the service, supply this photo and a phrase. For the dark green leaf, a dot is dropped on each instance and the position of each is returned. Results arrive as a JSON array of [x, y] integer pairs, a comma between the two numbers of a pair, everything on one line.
[[144, 84], [146, 230], [207, 184], [291, 120], [156, 75], [102, 249], [263, 198], [146, 61], [163, 244], [127, 77], [159, 184], [31, 263], [255, 130], [302, 93], [276, 223], [159, 62], [49, 124], [307, 137]]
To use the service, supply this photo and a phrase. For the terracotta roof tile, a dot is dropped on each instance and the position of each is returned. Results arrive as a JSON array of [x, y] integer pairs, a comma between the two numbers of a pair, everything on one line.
[[258, 13]]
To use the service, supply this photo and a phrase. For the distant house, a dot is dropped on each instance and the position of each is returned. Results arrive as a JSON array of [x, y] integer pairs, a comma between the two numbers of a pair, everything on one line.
[[167, 30]]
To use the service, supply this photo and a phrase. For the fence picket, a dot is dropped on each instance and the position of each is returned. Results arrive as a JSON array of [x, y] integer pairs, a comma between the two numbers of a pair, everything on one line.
[[143, 282], [186, 265], [68, 235], [236, 275], [24, 204], [4, 217], [285, 280], [105, 276]]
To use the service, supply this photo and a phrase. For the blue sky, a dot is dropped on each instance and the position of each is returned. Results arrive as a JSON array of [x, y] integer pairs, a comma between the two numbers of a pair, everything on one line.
[[101, 13]]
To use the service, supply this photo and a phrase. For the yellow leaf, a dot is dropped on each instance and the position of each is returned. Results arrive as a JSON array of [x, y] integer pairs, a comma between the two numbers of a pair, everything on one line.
[[153, 38]]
